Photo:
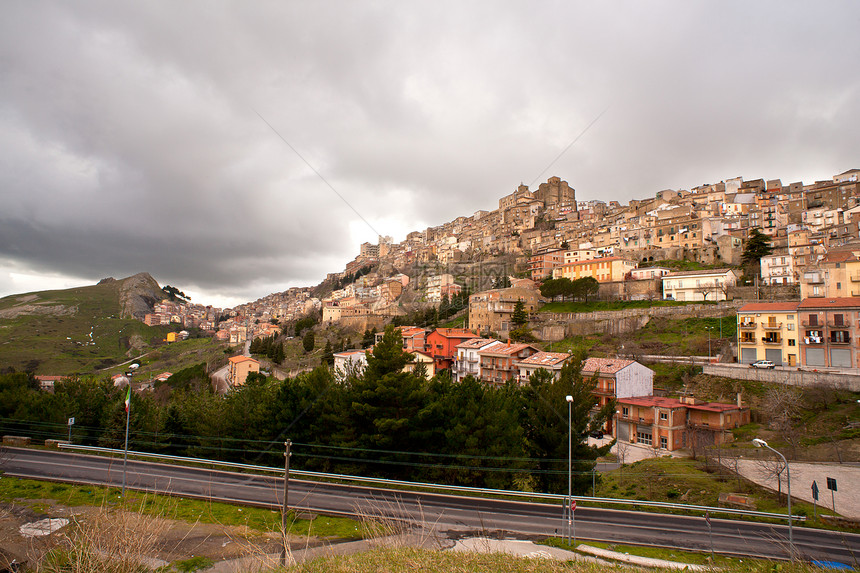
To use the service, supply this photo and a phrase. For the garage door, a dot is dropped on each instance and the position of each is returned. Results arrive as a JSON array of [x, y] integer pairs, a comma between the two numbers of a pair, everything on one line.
[[815, 357], [840, 357], [748, 355], [774, 355], [623, 431]]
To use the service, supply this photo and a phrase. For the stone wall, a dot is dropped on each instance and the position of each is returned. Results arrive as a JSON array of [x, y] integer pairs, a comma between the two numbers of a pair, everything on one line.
[[557, 325], [803, 378]]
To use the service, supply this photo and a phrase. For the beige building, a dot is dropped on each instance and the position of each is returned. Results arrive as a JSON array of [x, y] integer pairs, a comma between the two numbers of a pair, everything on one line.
[[492, 310], [707, 285], [604, 270], [768, 331], [238, 368], [836, 275]]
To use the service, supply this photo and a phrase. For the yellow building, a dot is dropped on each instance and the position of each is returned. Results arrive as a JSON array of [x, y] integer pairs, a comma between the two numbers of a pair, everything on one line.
[[238, 368], [605, 270], [836, 275], [768, 331]]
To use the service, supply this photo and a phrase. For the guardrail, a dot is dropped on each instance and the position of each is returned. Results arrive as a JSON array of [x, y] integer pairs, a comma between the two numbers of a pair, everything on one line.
[[458, 488]]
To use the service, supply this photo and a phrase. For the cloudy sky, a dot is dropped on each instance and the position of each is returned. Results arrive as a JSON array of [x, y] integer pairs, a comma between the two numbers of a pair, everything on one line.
[[209, 143]]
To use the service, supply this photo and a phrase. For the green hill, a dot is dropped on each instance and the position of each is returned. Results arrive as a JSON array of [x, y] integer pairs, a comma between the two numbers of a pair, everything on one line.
[[78, 330]]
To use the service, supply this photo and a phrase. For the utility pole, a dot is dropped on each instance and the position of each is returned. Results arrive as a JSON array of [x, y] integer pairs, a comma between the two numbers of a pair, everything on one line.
[[287, 454]]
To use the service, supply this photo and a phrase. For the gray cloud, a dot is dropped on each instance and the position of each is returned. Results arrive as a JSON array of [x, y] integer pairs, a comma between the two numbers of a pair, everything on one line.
[[130, 140]]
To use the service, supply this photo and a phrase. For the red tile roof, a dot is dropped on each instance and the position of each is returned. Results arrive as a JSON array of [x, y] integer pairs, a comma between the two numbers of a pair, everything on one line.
[[545, 359], [455, 333], [769, 307], [505, 349], [605, 365], [830, 302], [476, 342]]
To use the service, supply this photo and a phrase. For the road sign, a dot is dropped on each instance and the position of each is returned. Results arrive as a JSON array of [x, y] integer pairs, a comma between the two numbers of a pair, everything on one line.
[[814, 490], [71, 421], [573, 505], [831, 484]]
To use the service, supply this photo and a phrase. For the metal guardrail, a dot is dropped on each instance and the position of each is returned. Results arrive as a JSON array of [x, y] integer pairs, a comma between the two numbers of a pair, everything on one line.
[[458, 488]]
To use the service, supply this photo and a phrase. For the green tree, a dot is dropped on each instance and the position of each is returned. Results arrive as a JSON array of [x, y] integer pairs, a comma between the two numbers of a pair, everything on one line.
[[544, 418], [328, 354], [758, 245], [308, 341], [585, 287], [520, 317]]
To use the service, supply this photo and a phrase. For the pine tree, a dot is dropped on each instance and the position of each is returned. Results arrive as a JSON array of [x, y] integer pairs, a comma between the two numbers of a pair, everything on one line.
[[520, 316]]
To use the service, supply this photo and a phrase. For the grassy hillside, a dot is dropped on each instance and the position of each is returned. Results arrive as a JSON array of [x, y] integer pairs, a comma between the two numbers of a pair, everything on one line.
[[72, 331]]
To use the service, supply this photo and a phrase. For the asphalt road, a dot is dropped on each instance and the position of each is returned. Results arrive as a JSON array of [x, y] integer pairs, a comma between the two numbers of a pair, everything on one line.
[[444, 514]]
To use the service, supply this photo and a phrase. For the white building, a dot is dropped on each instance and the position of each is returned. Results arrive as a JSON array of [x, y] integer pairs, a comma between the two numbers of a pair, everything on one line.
[[707, 285], [468, 362], [350, 361]]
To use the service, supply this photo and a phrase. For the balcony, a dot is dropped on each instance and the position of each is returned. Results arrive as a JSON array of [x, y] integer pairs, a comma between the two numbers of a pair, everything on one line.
[[846, 323], [750, 324], [771, 325], [750, 340], [813, 340], [855, 278], [844, 340], [810, 323], [771, 341]]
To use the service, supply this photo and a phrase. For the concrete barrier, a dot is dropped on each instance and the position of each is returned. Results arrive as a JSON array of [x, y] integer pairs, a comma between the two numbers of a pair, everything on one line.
[[19, 441], [793, 377]]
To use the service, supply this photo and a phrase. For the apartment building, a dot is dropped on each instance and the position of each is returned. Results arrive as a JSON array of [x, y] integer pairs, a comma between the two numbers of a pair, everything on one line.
[[492, 310], [604, 270], [498, 363], [708, 285], [541, 264], [672, 423], [552, 362], [468, 361], [829, 328], [835, 275], [442, 345], [778, 269], [618, 378], [441, 285], [238, 368], [769, 331]]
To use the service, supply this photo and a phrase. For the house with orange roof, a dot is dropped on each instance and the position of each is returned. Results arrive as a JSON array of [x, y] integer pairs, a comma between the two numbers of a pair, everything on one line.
[[442, 345], [498, 362], [414, 338], [47, 382], [603, 269], [238, 368], [768, 331], [673, 423], [827, 327], [552, 362], [467, 362], [421, 359]]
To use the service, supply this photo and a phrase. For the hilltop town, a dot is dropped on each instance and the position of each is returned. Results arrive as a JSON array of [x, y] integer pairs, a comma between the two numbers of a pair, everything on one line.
[[546, 233]]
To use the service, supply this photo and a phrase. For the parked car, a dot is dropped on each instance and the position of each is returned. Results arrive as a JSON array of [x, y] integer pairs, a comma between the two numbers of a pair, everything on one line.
[[596, 434], [763, 364]]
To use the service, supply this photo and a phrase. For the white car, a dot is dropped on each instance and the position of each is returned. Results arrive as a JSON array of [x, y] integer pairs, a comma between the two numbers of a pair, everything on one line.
[[763, 364]]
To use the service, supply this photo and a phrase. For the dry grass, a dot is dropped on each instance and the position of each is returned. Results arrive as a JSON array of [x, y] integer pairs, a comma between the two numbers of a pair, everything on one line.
[[106, 542]]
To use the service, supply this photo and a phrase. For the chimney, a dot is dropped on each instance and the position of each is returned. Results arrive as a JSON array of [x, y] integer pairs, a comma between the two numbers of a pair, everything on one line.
[[740, 403]]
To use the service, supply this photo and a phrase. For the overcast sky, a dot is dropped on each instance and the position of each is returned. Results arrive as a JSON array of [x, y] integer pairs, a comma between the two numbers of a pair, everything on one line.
[[135, 136]]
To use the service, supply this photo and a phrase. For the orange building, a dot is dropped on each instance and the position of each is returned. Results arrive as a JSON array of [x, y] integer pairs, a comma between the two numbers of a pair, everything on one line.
[[238, 368], [672, 423], [499, 362], [604, 270], [442, 345]]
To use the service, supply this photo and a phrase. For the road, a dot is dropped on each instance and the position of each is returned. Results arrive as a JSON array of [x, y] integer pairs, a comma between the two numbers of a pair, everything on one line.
[[446, 515]]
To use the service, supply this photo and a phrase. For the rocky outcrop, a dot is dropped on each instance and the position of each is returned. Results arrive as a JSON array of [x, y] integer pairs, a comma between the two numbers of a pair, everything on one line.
[[138, 294]]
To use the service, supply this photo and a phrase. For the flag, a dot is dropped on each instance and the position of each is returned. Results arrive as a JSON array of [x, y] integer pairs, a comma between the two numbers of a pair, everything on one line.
[[128, 399]]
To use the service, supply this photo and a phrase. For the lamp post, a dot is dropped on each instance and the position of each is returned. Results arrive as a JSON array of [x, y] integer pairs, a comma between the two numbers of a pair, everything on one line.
[[569, 462], [709, 328], [759, 443]]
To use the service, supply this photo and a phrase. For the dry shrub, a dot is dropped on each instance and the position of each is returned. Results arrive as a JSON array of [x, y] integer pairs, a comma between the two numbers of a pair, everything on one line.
[[106, 542]]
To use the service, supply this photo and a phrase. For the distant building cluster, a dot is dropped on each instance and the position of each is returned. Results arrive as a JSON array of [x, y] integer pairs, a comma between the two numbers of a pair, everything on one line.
[[183, 313]]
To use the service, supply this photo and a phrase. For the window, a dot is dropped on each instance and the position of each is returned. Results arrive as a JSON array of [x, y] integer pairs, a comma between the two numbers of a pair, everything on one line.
[[664, 416], [790, 326], [664, 442], [792, 342], [625, 412], [643, 437], [838, 285]]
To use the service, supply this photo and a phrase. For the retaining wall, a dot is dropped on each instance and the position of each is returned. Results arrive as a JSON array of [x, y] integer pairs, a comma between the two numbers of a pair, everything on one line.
[[805, 378]]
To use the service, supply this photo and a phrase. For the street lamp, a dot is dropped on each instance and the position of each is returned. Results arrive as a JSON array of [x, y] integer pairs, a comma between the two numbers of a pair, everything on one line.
[[759, 443], [709, 328], [569, 461]]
